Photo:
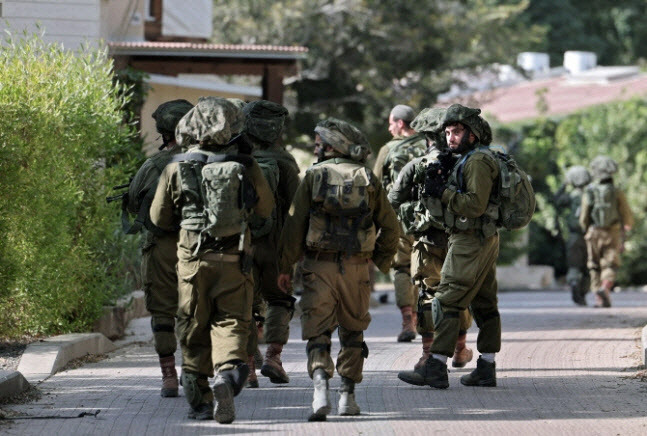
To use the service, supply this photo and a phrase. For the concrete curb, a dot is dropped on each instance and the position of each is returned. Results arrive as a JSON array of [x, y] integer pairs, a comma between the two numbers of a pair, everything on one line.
[[12, 383], [644, 346]]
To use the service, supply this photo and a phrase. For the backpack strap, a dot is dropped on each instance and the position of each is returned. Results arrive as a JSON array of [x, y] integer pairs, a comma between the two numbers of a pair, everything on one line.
[[211, 158]]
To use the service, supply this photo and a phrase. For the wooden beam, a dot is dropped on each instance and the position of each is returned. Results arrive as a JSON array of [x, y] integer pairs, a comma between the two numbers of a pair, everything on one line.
[[273, 83]]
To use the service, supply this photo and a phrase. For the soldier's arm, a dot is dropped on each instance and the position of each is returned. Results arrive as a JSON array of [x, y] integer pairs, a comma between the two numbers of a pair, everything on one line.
[[626, 216], [401, 189], [291, 243], [387, 223], [143, 180], [265, 195], [378, 168], [166, 205], [479, 175], [585, 214]]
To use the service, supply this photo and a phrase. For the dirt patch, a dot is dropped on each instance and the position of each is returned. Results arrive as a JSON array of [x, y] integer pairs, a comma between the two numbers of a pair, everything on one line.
[[11, 352]]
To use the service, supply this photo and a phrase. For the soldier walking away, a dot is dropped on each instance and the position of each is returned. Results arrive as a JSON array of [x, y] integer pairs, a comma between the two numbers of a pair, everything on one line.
[[605, 216], [159, 254], [392, 157], [264, 121], [577, 276], [340, 219], [211, 192], [430, 246]]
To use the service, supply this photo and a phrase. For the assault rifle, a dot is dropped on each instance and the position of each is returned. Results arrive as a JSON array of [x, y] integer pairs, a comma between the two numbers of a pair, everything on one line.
[[121, 196]]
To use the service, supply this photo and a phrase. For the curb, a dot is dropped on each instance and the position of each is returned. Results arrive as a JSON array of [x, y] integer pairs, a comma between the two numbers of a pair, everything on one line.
[[12, 383], [644, 345]]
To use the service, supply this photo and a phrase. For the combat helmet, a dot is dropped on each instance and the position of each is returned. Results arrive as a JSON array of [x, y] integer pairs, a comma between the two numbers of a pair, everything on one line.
[[168, 114], [603, 167], [344, 138], [430, 123], [469, 117], [212, 122], [578, 176], [264, 120]]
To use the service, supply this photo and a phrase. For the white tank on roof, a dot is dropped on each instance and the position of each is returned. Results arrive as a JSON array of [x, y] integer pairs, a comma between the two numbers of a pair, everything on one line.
[[533, 62], [578, 61]]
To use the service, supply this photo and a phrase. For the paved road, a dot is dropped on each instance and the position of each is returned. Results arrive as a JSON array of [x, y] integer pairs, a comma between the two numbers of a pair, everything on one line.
[[562, 370]]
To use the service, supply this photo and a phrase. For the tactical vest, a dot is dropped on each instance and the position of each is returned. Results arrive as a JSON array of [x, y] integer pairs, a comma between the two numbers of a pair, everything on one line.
[[604, 204], [217, 194], [401, 152], [575, 199], [341, 219], [270, 169]]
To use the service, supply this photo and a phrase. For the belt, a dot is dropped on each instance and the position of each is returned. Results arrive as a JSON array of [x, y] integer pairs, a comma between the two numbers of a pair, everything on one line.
[[221, 257], [327, 256]]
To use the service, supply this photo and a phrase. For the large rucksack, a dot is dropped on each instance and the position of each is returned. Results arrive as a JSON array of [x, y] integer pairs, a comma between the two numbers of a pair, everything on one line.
[[340, 217], [603, 200], [270, 169], [403, 152], [218, 195]]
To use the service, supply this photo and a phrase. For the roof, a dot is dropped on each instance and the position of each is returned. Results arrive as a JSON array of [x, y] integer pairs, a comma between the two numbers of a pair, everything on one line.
[[156, 48], [562, 95]]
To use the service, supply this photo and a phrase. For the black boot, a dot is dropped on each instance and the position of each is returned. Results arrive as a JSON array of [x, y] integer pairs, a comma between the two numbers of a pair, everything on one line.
[[577, 296], [433, 373], [483, 375]]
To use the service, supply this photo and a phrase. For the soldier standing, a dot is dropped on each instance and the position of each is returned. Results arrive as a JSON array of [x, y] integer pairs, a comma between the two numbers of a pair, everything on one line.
[[340, 219], [605, 215], [210, 192], [577, 277], [264, 121], [392, 157], [159, 255]]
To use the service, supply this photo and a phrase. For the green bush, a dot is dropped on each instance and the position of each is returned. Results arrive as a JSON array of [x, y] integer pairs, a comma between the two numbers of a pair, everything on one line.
[[62, 146]]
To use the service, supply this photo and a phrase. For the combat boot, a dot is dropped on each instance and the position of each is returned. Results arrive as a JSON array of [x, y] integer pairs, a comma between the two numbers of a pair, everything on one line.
[[483, 375], [198, 395], [169, 376], [408, 332], [433, 373], [426, 350], [576, 295], [347, 405], [252, 380], [462, 354], [320, 398], [272, 366], [203, 412], [227, 385]]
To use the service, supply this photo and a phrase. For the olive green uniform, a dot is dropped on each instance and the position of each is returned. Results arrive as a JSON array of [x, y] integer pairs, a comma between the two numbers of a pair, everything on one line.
[[468, 276], [332, 298], [159, 257], [604, 243], [215, 294], [387, 169]]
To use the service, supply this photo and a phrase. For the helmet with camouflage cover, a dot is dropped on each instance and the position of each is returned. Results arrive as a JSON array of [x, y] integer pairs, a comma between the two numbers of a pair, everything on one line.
[[344, 138], [212, 122], [168, 114], [264, 120], [430, 122], [603, 167], [467, 116], [578, 176]]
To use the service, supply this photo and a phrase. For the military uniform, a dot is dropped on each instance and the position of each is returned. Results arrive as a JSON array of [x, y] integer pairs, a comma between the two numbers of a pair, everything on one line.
[[215, 290], [336, 277], [603, 234]]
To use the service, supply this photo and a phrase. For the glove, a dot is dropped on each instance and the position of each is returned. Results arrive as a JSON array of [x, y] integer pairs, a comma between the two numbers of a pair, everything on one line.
[[435, 181], [437, 189], [447, 162]]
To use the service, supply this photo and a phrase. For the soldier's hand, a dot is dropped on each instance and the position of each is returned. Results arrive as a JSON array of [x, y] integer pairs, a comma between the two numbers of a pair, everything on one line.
[[284, 282]]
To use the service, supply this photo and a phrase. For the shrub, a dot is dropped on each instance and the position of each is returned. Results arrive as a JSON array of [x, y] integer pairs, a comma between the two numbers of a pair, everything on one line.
[[62, 146]]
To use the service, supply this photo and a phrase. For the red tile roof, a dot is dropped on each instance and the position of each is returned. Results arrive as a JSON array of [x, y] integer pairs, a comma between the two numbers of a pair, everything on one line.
[[192, 46]]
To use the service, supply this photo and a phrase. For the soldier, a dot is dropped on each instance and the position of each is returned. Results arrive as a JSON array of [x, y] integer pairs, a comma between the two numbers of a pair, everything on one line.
[[605, 215], [264, 122], [468, 275], [430, 246], [406, 145], [210, 192], [159, 255], [340, 219], [577, 276]]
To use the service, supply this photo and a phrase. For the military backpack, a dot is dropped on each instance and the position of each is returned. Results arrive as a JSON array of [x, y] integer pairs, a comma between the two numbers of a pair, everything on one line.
[[401, 152], [270, 169], [604, 204]]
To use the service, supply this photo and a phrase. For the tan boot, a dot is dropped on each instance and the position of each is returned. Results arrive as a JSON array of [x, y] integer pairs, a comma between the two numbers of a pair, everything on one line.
[[462, 354], [252, 379], [272, 366], [426, 350], [408, 332], [169, 377]]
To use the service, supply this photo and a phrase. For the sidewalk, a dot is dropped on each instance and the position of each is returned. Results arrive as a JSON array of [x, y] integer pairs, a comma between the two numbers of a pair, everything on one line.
[[562, 370]]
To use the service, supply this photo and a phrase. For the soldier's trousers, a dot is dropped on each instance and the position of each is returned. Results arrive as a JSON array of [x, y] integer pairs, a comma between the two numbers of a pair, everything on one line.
[[468, 279], [406, 294], [214, 312], [160, 283], [426, 263], [329, 300], [603, 248], [576, 256]]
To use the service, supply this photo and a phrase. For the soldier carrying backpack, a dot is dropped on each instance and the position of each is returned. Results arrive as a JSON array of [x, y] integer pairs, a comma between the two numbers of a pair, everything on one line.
[[210, 192], [605, 215]]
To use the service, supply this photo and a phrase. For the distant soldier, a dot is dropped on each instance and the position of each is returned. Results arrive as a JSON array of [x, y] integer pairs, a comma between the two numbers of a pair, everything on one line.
[[577, 277], [340, 219], [159, 254], [430, 246], [406, 145], [264, 121], [605, 215], [211, 192]]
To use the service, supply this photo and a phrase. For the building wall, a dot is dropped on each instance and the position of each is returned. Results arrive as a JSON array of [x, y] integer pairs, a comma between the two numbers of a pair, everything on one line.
[[70, 22], [123, 20]]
